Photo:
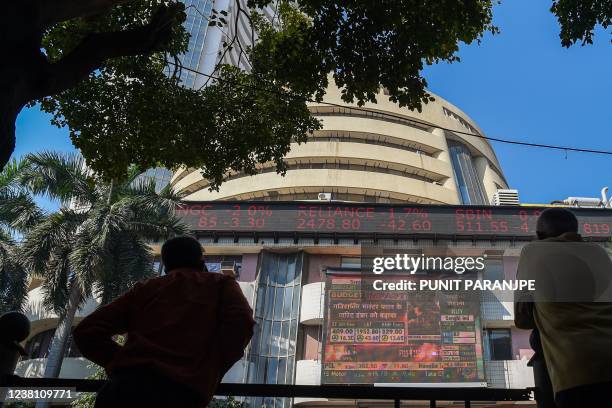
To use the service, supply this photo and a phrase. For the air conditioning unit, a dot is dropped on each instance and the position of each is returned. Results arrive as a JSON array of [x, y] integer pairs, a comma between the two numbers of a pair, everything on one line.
[[505, 197], [324, 197]]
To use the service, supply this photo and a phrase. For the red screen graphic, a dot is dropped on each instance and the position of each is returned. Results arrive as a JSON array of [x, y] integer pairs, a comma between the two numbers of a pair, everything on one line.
[[399, 336]]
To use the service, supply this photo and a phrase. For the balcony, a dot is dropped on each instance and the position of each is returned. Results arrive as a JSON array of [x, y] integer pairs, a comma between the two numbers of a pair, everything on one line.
[[311, 313], [308, 372], [509, 374]]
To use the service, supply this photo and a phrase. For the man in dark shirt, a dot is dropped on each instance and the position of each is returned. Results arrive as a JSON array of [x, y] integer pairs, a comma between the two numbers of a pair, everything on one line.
[[184, 332]]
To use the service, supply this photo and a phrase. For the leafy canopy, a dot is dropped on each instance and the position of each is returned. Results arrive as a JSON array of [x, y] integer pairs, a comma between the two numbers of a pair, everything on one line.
[[132, 110], [18, 212], [100, 242], [578, 19]]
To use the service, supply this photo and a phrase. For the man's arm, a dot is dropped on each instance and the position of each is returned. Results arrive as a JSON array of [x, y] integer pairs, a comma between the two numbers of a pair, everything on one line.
[[523, 301], [235, 323], [94, 334]]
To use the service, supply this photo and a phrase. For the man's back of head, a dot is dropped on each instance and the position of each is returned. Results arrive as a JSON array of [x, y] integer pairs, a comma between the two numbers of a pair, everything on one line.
[[182, 252], [554, 222]]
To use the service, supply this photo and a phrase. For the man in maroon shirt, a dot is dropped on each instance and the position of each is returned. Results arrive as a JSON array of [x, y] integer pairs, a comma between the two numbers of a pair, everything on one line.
[[184, 332]]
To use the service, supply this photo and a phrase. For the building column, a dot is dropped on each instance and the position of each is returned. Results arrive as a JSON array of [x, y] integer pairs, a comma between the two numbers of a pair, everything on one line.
[[444, 156], [484, 173]]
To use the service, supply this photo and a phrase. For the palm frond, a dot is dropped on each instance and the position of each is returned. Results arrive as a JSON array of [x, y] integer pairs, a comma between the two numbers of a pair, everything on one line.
[[144, 194], [9, 176], [90, 250], [19, 211], [55, 287], [131, 262], [13, 278], [60, 176], [102, 247], [42, 240]]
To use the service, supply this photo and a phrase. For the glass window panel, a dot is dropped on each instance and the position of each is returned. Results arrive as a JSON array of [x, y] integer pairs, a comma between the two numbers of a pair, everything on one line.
[[269, 302], [278, 305], [292, 337], [291, 269], [272, 370], [494, 270], [350, 262], [466, 175], [289, 374], [273, 269], [261, 369], [255, 367], [281, 277], [276, 331], [260, 301], [282, 367], [296, 301], [256, 338], [287, 302], [265, 338], [500, 342], [298, 268], [284, 339], [266, 267]]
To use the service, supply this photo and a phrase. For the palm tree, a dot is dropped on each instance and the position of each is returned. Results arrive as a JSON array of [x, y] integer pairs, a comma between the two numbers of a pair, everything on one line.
[[96, 244], [18, 212]]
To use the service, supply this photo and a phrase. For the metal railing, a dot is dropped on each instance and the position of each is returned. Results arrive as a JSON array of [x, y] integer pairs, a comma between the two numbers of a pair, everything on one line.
[[350, 392]]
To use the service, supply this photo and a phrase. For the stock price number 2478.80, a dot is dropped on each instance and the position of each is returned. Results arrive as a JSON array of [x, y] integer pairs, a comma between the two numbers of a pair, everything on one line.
[[328, 223]]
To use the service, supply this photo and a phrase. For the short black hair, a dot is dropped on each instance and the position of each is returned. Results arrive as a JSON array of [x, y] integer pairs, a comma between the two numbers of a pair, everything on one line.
[[181, 252], [556, 221]]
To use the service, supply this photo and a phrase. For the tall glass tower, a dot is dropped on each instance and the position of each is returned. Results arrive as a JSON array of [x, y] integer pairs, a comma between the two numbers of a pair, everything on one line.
[[196, 24]]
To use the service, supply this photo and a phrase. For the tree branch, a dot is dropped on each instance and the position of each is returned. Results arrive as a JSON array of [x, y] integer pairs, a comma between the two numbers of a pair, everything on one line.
[[55, 11], [7, 132], [235, 39], [96, 48]]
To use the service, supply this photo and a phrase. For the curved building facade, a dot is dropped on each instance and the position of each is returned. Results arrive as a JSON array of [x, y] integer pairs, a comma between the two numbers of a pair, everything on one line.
[[385, 155], [378, 153]]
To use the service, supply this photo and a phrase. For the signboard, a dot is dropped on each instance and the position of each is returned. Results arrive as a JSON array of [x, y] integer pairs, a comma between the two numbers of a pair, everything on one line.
[[383, 337], [333, 217]]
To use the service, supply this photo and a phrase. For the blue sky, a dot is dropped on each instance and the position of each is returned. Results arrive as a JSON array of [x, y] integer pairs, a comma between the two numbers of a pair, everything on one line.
[[520, 85]]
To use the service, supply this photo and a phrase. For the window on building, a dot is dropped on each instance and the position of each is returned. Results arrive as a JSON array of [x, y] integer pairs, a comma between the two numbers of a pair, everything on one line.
[[273, 347], [467, 178], [351, 262], [158, 267], [500, 344], [214, 263]]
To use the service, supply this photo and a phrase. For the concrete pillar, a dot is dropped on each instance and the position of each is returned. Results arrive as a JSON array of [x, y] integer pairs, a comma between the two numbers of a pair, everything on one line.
[[444, 156], [485, 174]]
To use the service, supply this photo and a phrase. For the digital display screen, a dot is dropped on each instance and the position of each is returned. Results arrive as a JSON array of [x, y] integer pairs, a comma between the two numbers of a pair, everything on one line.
[[383, 337], [378, 218]]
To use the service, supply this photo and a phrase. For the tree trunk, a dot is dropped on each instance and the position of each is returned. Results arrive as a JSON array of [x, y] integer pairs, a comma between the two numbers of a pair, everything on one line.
[[60, 338], [8, 116]]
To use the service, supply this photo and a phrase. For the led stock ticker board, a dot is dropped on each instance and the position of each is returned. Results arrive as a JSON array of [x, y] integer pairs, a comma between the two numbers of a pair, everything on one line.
[[398, 337], [391, 219]]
